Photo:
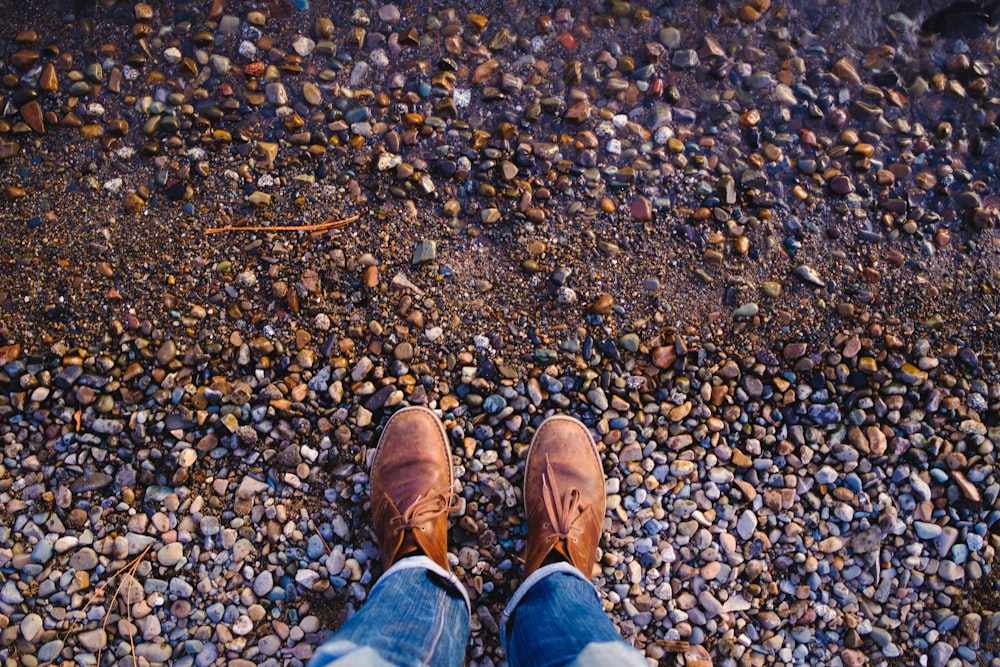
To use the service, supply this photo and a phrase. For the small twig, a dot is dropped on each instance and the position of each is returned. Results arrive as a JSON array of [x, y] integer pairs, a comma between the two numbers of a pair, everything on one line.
[[318, 227], [130, 569], [98, 595]]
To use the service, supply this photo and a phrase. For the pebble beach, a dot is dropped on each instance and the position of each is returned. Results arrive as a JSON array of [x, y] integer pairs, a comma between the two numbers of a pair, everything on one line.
[[752, 247]]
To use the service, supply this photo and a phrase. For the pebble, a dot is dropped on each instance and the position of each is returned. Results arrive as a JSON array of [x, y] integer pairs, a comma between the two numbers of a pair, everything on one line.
[[170, 554], [92, 640], [747, 525], [84, 559]]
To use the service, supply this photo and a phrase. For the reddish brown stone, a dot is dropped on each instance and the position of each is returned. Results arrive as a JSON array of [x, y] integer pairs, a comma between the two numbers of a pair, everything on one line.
[[24, 60], [603, 304], [664, 356], [32, 115], [641, 209]]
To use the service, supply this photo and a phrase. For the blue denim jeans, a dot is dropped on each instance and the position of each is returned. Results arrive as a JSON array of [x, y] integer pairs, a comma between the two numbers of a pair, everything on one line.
[[418, 614]]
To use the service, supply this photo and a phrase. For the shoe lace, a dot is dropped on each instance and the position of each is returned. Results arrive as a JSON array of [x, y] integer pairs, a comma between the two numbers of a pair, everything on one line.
[[562, 510], [425, 508]]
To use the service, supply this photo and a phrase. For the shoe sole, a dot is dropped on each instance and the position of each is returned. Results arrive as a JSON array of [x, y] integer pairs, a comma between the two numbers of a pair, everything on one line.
[[444, 439]]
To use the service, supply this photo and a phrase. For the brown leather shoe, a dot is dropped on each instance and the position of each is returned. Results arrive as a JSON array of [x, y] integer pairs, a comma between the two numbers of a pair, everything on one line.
[[564, 495], [411, 487]]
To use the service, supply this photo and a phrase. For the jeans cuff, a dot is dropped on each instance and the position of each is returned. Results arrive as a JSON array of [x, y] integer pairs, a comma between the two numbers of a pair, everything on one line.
[[537, 576], [421, 562]]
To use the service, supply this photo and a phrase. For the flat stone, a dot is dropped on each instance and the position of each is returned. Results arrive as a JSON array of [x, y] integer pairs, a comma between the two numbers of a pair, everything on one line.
[[641, 209], [31, 626], [831, 544], [9, 593], [747, 525], [93, 640], [170, 554], [250, 487], [50, 651], [949, 570], [263, 583], [426, 251], [710, 604], [269, 645], [154, 651], [84, 559], [229, 24]]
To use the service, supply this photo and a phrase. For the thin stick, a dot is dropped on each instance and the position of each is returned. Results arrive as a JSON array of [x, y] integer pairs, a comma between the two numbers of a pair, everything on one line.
[[318, 227], [130, 569]]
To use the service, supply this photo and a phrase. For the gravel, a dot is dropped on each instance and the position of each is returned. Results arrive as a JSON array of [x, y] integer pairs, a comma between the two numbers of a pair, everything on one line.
[[756, 254]]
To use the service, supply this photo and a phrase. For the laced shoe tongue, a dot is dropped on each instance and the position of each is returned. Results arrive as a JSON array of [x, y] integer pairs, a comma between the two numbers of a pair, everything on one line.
[[562, 511], [425, 508]]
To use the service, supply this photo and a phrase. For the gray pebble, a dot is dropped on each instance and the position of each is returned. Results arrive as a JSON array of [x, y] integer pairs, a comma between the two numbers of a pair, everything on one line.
[[263, 583]]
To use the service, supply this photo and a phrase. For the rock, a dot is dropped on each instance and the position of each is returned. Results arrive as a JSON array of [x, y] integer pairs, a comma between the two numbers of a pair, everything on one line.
[[949, 570], [250, 487], [263, 583], [154, 651], [166, 353], [92, 640], [830, 545], [258, 198], [276, 94], [808, 275], [747, 525], [685, 59], [853, 658], [641, 209], [90, 482], [32, 115], [664, 356], [31, 627], [940, 653], [426, 251], [84, 559], [170, 554], [49, 651], [710, 604]]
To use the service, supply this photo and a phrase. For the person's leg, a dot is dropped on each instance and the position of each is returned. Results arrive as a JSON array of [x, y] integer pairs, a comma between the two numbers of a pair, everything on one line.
[[556, 617], [418, 613]]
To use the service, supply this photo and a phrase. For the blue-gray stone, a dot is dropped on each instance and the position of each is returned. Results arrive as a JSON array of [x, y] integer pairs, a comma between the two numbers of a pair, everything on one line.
[[315, 547], [263, 583], [9, 593], [181, 588], [825, 414], [215, 612], [494, 403], [881, 637], [42, 552], [49, 651]]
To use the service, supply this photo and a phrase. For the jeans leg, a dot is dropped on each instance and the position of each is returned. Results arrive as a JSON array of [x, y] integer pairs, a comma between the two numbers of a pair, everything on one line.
[[417, 614], [555, 618]]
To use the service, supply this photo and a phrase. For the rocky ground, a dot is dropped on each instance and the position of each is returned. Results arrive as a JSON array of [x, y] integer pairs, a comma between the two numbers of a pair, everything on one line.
[[753, 247]]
